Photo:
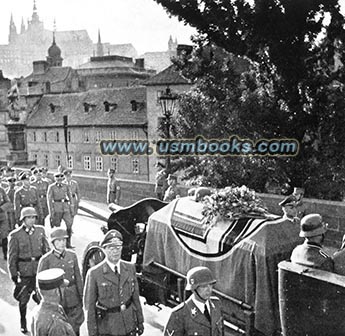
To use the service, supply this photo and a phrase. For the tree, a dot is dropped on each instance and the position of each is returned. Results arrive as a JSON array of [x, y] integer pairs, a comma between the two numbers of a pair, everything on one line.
[[294, 86]]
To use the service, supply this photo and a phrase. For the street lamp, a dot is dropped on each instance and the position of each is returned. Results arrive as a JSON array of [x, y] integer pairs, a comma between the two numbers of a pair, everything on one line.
[[168, 104]]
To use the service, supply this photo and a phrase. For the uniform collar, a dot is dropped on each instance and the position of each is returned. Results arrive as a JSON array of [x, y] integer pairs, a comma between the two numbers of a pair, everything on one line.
[[313, 244], [201, 305], [59, 254], [112, 266], [29, 230]]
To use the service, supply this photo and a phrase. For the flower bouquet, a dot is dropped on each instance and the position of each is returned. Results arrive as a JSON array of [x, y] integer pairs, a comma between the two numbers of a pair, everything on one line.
[[232, 202]]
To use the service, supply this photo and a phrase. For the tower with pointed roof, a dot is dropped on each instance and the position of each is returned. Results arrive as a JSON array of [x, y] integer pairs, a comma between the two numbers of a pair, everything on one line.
[[54, 54], [100, 51], [13, 30], [22, 26]]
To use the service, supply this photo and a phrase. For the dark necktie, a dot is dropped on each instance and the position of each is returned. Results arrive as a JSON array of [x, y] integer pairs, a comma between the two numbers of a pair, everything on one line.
[[116, 271], [207, 314]]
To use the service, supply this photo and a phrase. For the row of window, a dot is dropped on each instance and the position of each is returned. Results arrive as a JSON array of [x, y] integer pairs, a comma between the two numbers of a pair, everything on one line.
[[87, 162], [98, 136]]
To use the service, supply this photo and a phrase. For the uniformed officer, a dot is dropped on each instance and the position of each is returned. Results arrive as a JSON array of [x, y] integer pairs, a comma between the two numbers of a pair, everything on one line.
[[10, 190], [45, 176], [49, 318], [171, 193], [111, 293], [26, 196], [201, 313], [42, 188], [26, 246], [310, 253], [60, 201], [298, 194], [289, 209], [113, 188], [160, 181], [5, 205], [74, 188], [60, 257]]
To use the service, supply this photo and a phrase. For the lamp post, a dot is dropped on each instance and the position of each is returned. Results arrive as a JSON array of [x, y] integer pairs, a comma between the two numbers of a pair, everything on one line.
[[168, 104]]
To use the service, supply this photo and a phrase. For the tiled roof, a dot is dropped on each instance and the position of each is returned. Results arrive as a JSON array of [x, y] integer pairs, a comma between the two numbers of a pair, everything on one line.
[[168, 76], [52, 75], [72, 105]]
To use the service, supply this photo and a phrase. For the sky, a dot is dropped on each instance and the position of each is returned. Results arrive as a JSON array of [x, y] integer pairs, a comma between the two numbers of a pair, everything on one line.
[[143, 23]]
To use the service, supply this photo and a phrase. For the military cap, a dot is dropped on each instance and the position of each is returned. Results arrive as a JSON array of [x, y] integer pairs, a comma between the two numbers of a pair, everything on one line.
[[298, 190], [67, 171], [44, 169], [112, 237], [111, 170], [51, 278], [312, 225], [11, 179], [172, 177], [288, 201], [27, 211], [58, 233], [160, 164], [199, 276], [61, 169], [23, 176], [58, 174], [32, 168]]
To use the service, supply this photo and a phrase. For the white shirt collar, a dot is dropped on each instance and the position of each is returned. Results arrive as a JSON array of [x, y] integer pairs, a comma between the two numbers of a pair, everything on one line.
[[201, 306], [112, 266]]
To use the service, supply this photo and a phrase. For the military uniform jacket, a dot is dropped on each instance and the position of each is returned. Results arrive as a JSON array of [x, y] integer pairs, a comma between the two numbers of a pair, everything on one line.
[[170, 194], [73, 294], [41, 186], [74, 188], [112, 191], [26, 197], [49, 319], [312, 255], [55, 194], [103, 287], [25, 250], [186, 319], [5, 205]]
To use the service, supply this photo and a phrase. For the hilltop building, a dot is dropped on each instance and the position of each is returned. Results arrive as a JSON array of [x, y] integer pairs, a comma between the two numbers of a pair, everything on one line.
[[32, 41]]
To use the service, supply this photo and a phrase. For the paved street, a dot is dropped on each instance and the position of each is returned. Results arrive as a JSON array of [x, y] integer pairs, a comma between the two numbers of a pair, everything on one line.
[[85, 229]]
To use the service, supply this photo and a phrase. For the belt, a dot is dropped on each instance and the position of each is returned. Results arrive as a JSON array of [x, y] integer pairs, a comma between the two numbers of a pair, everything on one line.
[[61, 201], [29, 205], [115, 309], [29, 259]]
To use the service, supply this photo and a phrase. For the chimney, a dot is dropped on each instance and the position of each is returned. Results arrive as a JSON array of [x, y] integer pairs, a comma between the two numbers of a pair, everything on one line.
[[140, 63]]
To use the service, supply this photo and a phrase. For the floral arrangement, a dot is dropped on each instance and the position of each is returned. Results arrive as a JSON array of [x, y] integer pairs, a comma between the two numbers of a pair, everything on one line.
[[232, 202]]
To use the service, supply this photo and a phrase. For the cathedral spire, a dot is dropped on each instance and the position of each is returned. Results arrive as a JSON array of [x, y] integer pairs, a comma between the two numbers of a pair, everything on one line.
[[100, 51], [22, 26], [13, 30]]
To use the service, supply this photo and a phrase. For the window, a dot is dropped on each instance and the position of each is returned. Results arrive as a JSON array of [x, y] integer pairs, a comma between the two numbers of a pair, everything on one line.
[[52, 107], [112, 135], [86, 136], [45, 136], [114, 163], [69, 136], [46, 160], [57, 137], [98, 136], [106, 106], [57, 160], [87, 162], [34, 157], [70, 161], [135, 135], [34, 137], [99, 163], [134, 105], [86, 107], [135, 166]]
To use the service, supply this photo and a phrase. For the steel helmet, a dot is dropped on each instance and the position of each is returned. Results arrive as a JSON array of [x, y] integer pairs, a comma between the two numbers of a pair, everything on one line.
[[58, 233], [27, 211], [199, 276], [312, 225]]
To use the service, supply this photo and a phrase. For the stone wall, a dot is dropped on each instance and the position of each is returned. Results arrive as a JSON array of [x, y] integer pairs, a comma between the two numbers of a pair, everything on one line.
[[94, 188]]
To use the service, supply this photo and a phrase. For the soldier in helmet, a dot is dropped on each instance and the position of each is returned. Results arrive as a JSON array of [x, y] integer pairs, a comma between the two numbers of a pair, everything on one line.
[[60, 257], [26, 246], [310, 253], [49, 317], [201, 313], [111, 293]]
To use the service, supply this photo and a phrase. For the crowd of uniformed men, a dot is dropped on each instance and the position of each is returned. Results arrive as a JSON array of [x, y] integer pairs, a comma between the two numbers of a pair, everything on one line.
[[50, 274]]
